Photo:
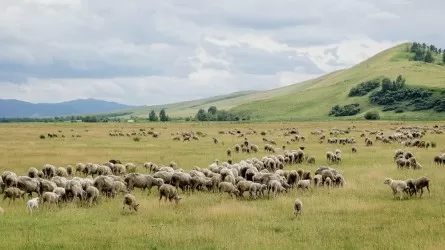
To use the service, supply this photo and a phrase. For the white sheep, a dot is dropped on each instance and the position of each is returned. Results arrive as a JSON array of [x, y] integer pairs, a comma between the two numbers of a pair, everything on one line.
[[397, 186], [303, 184], [298, 206], [31, 204]]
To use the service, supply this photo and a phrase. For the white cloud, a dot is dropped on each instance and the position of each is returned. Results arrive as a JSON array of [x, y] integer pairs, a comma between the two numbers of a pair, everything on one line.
[[151, 52]]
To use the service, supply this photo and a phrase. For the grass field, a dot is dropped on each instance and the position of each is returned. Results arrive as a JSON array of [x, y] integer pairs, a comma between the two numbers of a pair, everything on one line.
[[361, 215]]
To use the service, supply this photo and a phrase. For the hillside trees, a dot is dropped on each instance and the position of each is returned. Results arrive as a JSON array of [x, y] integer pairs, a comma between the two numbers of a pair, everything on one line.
[[163, 117], [152, 116]]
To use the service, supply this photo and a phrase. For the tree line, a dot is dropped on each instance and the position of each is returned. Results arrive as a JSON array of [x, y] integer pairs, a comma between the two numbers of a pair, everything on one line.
[[163, 117], [426, 53], [112, 117]]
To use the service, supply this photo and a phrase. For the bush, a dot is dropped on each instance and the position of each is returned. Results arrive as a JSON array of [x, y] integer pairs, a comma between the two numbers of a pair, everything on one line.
[[42, 137], [136, 139], [372, 115], [433, 144], [347, 110], [364, 88], [399, 110], [263, 133]]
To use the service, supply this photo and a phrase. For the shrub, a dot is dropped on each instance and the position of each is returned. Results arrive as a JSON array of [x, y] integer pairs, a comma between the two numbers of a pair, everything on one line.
[[399, 110], [347, 110], [372, 115], [364, 88], [136, 139], [42, 137], [263, 133], [433, 144]]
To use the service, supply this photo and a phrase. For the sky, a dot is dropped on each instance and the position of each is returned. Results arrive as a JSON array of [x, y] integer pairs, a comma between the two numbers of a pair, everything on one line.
[[145, 52]]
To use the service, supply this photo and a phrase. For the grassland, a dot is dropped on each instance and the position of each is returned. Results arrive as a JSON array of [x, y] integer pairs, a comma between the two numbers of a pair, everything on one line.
[[312, 100], [362, 215]]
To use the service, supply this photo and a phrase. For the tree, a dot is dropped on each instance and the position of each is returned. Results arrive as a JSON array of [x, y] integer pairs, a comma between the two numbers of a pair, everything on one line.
[[414, 47], [152, 116], [419, 56], [372, 115], [443, 57], [399, 83], [429, 57], [386, 84], [201, 115], [212, 110], [163, 116]]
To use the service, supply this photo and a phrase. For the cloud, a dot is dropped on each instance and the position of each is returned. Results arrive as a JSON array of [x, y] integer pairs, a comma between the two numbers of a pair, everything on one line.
[[153, 52]]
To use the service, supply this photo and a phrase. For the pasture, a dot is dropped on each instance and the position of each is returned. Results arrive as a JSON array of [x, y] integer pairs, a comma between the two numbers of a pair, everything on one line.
[[360, 215]]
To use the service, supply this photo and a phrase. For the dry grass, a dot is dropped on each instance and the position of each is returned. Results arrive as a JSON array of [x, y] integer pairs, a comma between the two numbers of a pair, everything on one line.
[[362, 215]]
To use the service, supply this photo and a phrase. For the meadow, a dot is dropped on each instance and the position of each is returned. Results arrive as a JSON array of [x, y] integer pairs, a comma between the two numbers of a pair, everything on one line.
[[361, 215]]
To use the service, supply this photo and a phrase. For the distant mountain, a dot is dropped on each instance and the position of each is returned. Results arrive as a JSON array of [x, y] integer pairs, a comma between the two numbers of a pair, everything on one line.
[[15, 108]]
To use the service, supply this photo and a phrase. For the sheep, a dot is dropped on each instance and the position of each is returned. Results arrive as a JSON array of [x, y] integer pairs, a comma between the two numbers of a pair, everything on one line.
[[420, 183], [317, 180], [32, 203], [276, 187], [228, 188], [119, 187], [61, 192], [144, 181], [303, 184], [13, 193], [397, 186], [92, 195], [257, 189], [32, 172], [354, 150], [298, 207], [29, 185], [311, 160], [50, 197], [61, 171], [170, 192], [243, 186], [131, 202], [328, 182], [69, 170]]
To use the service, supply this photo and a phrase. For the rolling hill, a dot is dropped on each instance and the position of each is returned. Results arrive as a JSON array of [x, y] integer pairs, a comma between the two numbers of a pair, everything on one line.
[[313, 99], [15, 108]]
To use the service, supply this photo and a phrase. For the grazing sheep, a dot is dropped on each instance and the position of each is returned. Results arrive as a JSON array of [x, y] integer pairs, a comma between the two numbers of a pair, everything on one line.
[[29, 185], [131, 202], [61, 171], [69, 170], [92, 195], [13, 193], [50, 197], [328, 182], [317, 180], [298, 207], [61, 192], [32, 203], [421, 183], [229, 188], [311, 160], [256, 190], [170, 192], [397, 186], [32, 172], [303, 184], [354, 150], [276, 187]]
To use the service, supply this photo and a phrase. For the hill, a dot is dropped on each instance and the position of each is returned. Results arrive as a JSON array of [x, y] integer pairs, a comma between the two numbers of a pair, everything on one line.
[[16, 108], [314, 99]]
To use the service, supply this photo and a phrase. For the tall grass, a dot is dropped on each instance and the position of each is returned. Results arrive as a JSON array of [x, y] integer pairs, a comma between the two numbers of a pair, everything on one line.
[[362, 215]]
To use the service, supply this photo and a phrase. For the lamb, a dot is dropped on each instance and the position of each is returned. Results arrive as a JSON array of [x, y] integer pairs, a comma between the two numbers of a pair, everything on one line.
[[170, 192], [228, 188], [32, 203], [61, 192], [298, 207], [131, 202], [13, 193], [303, 184], [420, 183], [397, 186], [50, 197]]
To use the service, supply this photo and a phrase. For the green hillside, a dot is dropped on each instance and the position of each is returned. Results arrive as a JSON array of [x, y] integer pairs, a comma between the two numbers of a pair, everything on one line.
[[313, 99]]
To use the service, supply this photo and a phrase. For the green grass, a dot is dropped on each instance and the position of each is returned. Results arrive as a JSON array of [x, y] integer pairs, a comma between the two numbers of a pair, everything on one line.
[[362, 215], [312, 100]]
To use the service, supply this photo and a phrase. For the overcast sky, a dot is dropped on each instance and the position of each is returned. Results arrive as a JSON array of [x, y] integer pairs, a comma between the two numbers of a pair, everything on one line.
[[153, 52]]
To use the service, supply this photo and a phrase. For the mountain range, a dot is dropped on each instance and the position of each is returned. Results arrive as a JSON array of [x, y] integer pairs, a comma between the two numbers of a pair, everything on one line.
[[15, 108]]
